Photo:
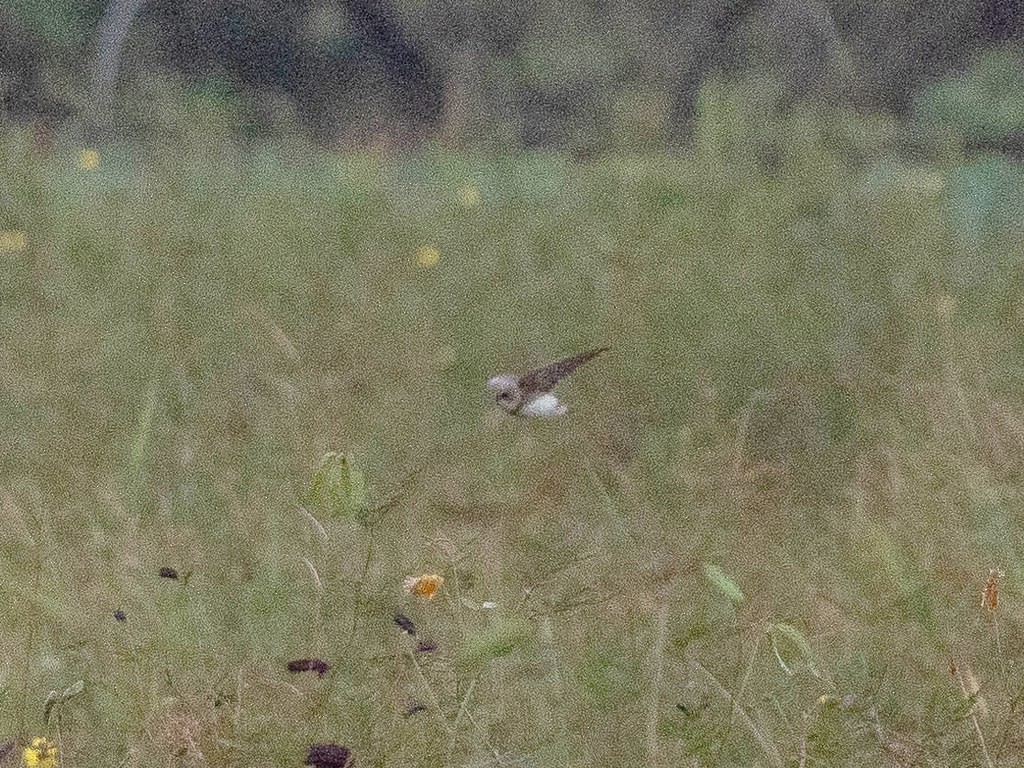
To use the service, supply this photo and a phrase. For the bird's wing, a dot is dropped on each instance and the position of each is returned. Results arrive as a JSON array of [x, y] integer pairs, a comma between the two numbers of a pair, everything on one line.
[[544, 379]]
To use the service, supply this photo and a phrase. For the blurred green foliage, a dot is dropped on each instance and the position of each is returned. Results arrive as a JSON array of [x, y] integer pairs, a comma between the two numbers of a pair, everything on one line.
[[67, 21], [492, 642], [983, 103]]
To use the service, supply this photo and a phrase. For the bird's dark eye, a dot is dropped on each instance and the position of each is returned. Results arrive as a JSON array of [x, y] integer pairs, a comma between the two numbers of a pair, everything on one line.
[[505, 396]]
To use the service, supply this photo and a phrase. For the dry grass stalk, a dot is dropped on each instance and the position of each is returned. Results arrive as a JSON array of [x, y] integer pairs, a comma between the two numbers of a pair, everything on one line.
[[970, 688]]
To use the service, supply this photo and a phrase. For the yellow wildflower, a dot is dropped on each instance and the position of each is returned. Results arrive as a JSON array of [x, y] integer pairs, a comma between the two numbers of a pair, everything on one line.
[[427, 585], [469, 196], [12, 240], [427, 256], [88, 159], [40, 754]]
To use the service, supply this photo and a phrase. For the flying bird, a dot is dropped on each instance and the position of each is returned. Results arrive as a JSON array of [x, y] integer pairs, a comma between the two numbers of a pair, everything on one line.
[[529, 394]]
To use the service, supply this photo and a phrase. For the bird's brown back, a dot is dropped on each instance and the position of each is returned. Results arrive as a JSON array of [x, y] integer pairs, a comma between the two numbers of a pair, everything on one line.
[[544, 379]]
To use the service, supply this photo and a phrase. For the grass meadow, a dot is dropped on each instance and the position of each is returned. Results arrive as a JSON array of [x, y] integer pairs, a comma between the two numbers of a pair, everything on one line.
[[761, 536]]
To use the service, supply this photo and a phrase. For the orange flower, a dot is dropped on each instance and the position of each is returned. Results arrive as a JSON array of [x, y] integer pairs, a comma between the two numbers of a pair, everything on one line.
[[427, 585], [990, 594]]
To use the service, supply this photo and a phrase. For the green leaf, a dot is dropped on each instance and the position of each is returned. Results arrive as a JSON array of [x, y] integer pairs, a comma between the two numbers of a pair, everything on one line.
[[51, 700], [723, 583], [792, 649], [55, 698], [338, 488]]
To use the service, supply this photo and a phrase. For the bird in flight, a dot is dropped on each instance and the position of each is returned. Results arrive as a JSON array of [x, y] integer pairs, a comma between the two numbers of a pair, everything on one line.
[[529, 394]]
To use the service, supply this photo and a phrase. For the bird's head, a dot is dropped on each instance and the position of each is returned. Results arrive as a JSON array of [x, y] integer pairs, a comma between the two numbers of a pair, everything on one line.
[[506, 391]]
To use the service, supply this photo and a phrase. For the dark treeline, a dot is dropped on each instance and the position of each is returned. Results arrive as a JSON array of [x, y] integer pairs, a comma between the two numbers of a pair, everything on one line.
[[582, 74]]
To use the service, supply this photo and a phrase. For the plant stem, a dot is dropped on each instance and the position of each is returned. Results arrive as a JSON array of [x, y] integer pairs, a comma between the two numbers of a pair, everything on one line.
[[657, 670]]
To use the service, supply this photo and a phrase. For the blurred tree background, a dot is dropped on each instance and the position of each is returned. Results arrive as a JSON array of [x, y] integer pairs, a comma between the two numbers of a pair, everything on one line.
[[581, 75]]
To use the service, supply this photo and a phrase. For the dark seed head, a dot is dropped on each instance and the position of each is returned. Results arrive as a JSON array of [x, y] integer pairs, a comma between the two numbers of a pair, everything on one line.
[[412, 709], [319, 666], [168, 573], [405, 624], [120, 615], [329, 756], [426, 646]]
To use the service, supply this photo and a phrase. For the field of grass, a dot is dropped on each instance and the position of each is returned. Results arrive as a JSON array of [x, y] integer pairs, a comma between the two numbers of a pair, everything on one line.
[[759, 538]]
